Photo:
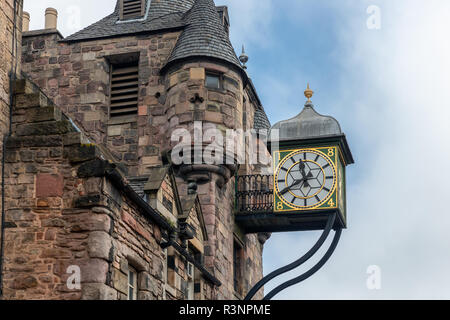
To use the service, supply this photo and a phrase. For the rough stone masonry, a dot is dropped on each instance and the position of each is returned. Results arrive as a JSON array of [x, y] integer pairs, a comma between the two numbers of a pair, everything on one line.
[[91, 191]]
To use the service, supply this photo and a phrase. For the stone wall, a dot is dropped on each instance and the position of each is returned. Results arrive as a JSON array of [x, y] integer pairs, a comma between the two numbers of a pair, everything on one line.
[[76, 77], [42, 228], [64, 213]]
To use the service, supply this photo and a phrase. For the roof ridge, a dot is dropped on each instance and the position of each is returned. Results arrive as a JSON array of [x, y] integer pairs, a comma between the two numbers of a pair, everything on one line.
[[163, 14]]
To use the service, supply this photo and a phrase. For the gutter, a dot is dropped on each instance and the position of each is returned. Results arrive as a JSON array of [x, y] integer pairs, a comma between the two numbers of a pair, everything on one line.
[[119, 182]]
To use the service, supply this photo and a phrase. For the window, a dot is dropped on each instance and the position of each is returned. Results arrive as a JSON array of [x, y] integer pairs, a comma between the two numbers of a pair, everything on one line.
[[190, 270], [193, 288], [132, 283], [224, 17], [213, 81], [238, 257], [124, 90], [131, 9]]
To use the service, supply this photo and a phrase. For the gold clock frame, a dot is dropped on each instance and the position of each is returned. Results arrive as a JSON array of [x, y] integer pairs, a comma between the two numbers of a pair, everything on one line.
[[335, 190]]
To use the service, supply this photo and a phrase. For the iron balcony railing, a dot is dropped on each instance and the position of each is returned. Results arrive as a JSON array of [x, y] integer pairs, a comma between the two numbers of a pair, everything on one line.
[[254, 194]]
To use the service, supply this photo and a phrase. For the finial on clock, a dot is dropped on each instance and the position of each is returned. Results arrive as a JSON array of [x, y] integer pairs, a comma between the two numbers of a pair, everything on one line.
[[309, 93]]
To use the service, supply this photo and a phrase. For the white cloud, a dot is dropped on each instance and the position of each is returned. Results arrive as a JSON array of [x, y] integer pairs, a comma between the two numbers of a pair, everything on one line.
[[395, 102], [394, 106], [72, 14], [250, 21]]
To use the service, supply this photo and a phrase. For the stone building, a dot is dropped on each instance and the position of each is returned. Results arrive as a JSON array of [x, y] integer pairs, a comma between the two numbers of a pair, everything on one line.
[[90, 190]]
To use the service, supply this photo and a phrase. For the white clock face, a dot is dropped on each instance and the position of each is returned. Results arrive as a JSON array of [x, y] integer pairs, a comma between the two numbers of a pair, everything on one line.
[[305, 179]]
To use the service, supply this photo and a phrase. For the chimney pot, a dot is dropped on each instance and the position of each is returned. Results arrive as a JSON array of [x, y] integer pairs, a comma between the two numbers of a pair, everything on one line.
[[25, 21], [51, 18]]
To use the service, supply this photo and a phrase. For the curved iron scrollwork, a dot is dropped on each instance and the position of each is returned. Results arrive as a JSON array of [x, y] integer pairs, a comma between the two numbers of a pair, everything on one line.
[[299, 262]]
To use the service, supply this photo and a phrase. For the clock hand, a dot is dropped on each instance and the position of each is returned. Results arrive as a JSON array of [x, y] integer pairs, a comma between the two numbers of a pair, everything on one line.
[[304, 176], [297, 182]]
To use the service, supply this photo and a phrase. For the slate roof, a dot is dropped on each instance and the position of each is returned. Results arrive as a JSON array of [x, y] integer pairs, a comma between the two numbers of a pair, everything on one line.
[[308, 124], [260, 120], [204, 35], [163, 14]]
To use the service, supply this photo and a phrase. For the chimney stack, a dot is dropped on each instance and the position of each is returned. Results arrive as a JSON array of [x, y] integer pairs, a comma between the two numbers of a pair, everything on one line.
[[51, 18], [25, 21]]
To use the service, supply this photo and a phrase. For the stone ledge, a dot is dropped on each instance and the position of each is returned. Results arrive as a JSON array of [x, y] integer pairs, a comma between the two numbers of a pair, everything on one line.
[[41, 32], [82, 153], [90, 201], [32, 100], [45, 128]]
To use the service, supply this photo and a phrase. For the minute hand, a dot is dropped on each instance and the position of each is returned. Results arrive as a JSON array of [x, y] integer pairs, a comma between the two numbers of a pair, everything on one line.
[[305, 177], [297, 182]]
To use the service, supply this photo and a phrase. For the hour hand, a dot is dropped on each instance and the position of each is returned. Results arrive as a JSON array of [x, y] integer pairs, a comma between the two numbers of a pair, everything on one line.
[[296, 182], [305, 176]]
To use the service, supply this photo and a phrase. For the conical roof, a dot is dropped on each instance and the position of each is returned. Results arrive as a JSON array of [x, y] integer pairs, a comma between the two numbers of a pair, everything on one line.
[[204, 36]]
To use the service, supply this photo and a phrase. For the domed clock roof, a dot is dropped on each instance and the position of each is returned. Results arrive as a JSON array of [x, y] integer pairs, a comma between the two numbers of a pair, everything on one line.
[[308, 124]]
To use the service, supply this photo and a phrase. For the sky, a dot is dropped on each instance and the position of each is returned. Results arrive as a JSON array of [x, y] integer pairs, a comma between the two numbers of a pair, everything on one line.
[[382, 68]]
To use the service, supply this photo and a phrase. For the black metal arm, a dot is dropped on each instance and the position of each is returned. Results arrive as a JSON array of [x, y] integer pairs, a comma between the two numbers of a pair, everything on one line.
[[297, 263], [310, 272]]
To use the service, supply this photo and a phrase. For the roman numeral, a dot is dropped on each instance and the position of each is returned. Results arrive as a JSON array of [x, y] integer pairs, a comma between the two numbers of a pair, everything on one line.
[[306, 202], [329, 177], [325, 166], [284, 169], [317, 158], [326, 189], [318, 199]]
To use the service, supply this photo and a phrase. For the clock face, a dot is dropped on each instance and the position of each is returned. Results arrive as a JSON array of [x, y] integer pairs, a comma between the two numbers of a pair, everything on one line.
[[306, 179]]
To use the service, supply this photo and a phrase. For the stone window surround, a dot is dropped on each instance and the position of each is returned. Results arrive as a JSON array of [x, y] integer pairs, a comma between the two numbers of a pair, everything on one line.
[[238, 243], [196, 281], [221, 77], [130, 258], [132, 283]]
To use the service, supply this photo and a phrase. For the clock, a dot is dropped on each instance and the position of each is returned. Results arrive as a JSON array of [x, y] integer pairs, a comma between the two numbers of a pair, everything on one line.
[[307, 179]]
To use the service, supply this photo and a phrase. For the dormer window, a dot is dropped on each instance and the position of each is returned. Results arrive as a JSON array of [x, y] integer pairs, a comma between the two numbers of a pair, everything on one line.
[[224, 17], [131, 9]]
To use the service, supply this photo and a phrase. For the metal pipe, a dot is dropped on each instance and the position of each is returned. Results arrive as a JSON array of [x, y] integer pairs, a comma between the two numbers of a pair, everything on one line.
[[12, 77], [297, 263]]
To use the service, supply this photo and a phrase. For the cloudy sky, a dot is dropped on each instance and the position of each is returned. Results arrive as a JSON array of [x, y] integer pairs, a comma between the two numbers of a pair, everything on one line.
[[390, 90]]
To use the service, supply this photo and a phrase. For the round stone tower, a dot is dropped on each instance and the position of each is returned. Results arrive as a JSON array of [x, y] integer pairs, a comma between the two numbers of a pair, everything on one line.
[[205, 88]]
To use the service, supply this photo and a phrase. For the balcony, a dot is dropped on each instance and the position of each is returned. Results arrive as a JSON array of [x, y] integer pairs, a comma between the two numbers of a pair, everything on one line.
[[254, 209], [254, 194]]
